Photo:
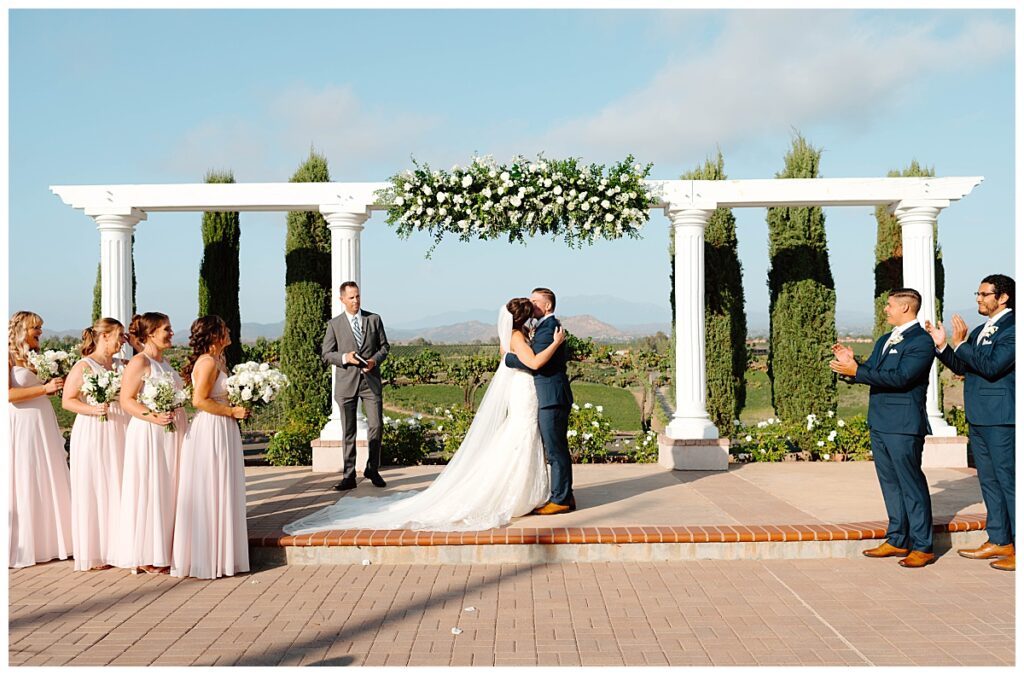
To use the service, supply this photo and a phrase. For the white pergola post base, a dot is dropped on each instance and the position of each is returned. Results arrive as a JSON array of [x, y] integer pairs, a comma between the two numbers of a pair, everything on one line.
[[691, 439]]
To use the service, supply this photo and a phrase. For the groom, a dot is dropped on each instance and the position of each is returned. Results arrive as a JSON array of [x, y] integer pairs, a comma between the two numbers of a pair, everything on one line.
[[554, 399]]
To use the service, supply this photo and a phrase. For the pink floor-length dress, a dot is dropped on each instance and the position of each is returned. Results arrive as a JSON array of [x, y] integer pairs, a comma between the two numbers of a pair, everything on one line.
[[148, 487], [97, 459], [39, 520], [210, 536]]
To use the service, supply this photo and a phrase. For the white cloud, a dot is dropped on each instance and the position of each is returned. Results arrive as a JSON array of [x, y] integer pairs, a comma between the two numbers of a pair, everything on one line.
[[360, 140], [772, 71]]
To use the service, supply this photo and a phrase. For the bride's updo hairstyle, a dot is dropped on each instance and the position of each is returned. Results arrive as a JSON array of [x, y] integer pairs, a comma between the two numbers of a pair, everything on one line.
[[521, 310], [144, 325], [207, 331]]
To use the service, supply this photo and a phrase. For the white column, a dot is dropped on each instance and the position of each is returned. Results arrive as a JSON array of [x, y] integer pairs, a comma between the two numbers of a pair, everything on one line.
[[918, 226], [346, 227], [691, 419], [116, 230]]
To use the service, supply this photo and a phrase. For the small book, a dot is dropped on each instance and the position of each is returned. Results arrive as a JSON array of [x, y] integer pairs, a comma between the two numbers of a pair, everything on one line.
[[361, 360]]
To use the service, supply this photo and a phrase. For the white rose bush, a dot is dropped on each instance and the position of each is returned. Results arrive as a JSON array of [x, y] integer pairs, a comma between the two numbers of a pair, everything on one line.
[[486, 200]]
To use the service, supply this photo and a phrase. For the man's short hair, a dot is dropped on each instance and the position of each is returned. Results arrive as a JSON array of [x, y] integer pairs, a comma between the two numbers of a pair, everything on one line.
[[908, 294], [1002, 284], [347, 284], [547, 293]]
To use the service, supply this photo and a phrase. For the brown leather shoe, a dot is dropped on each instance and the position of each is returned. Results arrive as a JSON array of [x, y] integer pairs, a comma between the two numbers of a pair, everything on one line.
[[885, 550], [918, 559], [986, 551], [1006, 564], [552, 508]]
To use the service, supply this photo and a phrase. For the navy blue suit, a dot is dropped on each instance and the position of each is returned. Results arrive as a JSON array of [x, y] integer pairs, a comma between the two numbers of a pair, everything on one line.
[[554, 400], [990, 378], [898, 419]]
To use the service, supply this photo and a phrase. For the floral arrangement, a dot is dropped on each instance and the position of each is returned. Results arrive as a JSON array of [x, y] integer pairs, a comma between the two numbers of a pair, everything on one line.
[[589, 433], [160, 394], [51, 363], [253, 385], [487, 200], [100, 388]]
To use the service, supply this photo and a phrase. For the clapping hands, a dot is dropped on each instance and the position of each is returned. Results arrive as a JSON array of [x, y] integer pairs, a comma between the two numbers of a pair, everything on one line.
[[843, 363]]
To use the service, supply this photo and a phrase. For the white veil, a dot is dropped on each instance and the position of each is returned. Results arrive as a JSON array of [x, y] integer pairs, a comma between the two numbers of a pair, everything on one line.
[[467, 494]]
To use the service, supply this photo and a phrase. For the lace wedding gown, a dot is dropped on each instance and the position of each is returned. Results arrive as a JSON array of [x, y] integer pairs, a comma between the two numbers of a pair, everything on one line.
[[498, 472]]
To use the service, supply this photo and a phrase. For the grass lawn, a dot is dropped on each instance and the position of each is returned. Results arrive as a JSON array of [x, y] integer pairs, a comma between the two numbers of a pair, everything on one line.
[[619, 405], [853, 398]]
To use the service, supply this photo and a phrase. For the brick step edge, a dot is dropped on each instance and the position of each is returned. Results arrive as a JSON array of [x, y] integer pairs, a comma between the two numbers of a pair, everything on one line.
[[611, 535]]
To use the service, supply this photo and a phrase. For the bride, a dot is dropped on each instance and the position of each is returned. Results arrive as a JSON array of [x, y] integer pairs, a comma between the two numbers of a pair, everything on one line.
[[497, 473]]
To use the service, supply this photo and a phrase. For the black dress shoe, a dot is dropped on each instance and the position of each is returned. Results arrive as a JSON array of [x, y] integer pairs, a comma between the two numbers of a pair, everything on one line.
[[375, 478], [347, 484]]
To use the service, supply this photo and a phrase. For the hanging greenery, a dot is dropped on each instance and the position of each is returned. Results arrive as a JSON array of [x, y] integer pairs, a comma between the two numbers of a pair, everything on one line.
[[486, 200]]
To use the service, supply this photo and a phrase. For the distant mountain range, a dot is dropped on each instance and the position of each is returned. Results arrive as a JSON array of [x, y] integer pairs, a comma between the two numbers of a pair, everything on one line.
[[604, 318]]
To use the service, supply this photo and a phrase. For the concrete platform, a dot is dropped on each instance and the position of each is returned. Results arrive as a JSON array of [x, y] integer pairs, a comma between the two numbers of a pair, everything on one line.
[[626, 512]]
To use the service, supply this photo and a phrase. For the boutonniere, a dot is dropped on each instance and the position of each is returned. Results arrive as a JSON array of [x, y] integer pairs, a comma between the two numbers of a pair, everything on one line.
[[895, 339], [531, 333], [989, 331]]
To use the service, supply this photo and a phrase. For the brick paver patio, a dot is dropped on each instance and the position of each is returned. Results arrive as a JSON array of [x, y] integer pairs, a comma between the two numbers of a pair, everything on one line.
[[770, 612], [824, 611]]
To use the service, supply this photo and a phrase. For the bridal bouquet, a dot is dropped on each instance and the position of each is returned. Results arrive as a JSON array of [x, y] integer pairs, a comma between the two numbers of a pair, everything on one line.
[[160, 395], [102, 387], [51, 364], [252, 385]]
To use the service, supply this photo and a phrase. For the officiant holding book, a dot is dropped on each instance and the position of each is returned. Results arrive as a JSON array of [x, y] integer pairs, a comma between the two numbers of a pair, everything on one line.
[[356, 344]]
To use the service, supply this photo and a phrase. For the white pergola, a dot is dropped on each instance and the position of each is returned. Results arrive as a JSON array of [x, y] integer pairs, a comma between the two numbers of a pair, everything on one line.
[[691, 440]]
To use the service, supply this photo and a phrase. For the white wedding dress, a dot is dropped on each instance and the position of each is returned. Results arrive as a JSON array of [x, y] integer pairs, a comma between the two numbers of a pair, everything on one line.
[[498, 472]]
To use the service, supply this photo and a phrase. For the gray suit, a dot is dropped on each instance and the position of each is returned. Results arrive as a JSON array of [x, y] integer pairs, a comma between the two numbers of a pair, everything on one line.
[[351, 383]]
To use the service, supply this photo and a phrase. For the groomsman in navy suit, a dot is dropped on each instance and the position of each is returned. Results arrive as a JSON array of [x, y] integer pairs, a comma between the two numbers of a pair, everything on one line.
[[897, 372], [986, 360]]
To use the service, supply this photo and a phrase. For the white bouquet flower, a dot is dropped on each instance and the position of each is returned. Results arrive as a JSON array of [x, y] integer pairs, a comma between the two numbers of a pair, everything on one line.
[[252, 384], [100, 388], [160, 394], [51, 364]]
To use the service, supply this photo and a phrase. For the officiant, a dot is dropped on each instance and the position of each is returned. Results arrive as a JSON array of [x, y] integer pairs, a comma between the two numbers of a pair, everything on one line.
[[356, 344]]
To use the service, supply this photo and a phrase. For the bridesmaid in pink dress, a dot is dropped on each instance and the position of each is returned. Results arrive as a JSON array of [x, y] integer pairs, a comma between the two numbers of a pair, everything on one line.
[[97, 452], [39, 520], [210, 537], [150, 476]]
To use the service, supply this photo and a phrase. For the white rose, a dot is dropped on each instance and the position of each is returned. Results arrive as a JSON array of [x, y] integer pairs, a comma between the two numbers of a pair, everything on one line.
[[441, 196], [557, 190], [427, 190], [467, 180], [504, 176]]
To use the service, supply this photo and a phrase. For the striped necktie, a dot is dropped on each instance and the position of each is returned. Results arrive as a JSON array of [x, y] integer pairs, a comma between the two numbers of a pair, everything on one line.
[[357, 332]]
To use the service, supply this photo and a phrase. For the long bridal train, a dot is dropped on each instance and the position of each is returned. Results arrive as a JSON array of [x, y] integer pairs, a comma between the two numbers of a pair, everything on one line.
[[498, 472]]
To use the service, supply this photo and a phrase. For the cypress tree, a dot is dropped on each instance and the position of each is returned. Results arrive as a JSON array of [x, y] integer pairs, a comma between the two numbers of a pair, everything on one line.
[[97, 289], [218, 271], [802, 300], [725, 323], [889, 255], [307, 301]]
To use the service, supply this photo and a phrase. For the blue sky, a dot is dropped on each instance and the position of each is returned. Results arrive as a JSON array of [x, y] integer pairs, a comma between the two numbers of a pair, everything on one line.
[[115, 96]]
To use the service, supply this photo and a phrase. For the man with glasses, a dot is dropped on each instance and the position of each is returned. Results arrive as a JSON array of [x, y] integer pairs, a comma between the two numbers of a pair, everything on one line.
[[986, 359]]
